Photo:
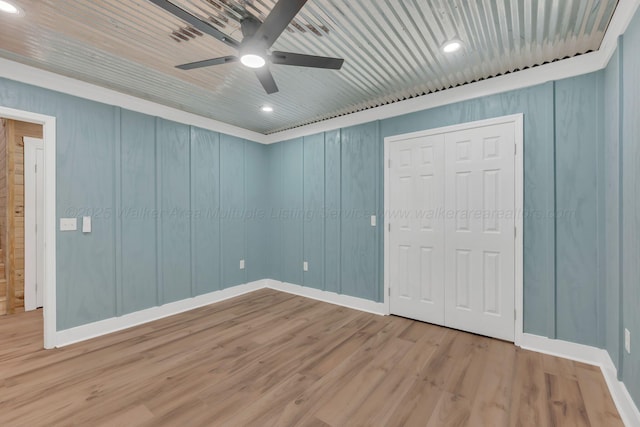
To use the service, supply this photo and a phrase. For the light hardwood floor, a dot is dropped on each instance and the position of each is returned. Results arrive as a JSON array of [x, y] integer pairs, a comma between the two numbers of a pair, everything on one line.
[[273, 359]]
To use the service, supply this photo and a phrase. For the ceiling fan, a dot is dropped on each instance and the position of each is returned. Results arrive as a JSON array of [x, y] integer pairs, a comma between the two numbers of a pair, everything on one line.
[[258, 37]]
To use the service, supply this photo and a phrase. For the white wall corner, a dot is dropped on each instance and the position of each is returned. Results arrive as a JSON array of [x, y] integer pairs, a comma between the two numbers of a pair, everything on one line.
[[592, 356], [329, 297]]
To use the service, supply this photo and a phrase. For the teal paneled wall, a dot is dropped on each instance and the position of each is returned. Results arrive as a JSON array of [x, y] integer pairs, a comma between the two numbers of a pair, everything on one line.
[[333, 197], [232, 200], [314, 218], [257, 221], [292, 210], [630, 275], [328, 190], [274, 212], [137, 204], [611, 166], [561, 150], [206, 239], [578, 231], [85, 186], [159, 194], [174, 194], [176, 207], [361, 166]]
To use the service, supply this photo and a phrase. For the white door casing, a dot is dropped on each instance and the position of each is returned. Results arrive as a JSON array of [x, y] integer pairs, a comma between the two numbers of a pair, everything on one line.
[[479, 172], [417, 242], [34, 223]]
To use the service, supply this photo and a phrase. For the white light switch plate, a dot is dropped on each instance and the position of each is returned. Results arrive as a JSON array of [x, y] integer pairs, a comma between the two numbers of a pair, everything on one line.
[[241, 264], [373, 220], [305, 266], [86, 224], [68, 224], [627, 340]]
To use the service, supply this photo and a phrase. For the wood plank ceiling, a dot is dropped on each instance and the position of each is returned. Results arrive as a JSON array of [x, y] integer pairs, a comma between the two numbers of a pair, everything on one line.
[[392, 50]]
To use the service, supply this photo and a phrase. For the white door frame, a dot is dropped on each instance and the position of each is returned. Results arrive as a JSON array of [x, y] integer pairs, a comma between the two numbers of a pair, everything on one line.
[[518, 121], [33, 262], [49, 137]]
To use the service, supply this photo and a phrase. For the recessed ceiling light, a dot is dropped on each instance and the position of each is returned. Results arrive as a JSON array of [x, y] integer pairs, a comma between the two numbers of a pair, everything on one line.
[[452, 46], [266, 108], [252, 60], [7, 7]]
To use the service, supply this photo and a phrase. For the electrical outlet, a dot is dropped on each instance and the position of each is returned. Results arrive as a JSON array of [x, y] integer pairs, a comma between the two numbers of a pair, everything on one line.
[[68, 224], [241, 264], [627, 340], [305, 266]]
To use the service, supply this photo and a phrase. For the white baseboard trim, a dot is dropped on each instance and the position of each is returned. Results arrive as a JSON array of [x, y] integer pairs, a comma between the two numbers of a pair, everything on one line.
[[330, 297], [114, 324], [593, 356], [582, 353], [107, 326]]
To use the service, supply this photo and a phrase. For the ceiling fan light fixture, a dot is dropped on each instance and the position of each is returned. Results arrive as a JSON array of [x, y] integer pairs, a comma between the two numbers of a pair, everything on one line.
[[252, 60], [452, 46], [9, 8]]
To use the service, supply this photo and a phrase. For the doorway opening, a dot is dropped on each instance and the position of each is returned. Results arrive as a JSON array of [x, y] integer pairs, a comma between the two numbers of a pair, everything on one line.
[[28, 218], [453, 226], [19, 215]]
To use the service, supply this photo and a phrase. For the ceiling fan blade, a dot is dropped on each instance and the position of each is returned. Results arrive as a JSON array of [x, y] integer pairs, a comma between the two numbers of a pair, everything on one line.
[[208, 62], [266, 79], [279, 18], [195, 22], [300, 60]]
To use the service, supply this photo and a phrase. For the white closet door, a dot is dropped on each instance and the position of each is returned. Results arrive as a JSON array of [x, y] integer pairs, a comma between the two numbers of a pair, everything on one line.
[[417, 228], [479, 230]]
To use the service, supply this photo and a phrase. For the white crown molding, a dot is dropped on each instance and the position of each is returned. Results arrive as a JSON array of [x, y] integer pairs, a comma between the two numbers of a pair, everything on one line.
[[558, 70], [592, 356], [114, 324], [45, 79]]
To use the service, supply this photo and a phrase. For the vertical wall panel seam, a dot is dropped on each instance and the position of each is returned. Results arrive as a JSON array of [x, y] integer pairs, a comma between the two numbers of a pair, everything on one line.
[[323, 277], [340, 290], [281, 221], [159, 213], [220, 213], [621, 350], [191, 214], [304, 215], [117, 218], [554, 326], [245, 223], [377, 172], [326, 213], [599, 182]]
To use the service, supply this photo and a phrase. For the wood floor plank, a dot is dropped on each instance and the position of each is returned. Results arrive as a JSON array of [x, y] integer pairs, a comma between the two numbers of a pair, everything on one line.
[[451, 411], [600, 407], [378, 408], [529, 406], [351, 394], [421, 399], [273, 359], [566, 405], [491, 406]]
